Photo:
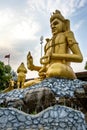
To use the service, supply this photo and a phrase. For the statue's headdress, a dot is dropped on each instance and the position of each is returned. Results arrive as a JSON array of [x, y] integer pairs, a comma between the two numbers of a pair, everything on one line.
[[57, 14]]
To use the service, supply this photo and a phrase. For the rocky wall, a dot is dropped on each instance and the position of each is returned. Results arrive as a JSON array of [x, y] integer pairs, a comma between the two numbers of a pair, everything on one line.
[[60, 87], [53, 118]]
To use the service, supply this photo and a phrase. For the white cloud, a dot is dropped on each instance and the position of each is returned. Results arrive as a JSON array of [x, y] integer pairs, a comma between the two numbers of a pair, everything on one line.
[[37, 5], [13, 26], [82, 3], [6, 17], [78, 25], [25, 29], [67, 7]]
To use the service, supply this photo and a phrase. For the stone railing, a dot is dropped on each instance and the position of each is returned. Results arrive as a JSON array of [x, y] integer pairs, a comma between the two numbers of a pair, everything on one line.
[[53, 118]]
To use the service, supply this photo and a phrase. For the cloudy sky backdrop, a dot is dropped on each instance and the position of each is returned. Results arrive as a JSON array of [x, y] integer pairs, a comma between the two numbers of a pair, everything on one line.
[[23, 22]]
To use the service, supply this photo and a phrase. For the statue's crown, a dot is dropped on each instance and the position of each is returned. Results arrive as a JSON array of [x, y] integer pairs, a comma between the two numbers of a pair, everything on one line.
[[56, 14]]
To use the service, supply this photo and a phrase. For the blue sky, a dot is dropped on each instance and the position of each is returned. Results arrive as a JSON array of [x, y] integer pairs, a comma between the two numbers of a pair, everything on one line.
[[23, 22]]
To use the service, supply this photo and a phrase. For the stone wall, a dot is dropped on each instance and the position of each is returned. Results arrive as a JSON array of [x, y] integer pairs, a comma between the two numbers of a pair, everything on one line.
[[53, 118], [60, 87]]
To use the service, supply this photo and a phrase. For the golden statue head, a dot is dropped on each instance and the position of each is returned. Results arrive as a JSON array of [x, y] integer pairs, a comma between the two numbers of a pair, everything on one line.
[[22, 68], [57, 15]]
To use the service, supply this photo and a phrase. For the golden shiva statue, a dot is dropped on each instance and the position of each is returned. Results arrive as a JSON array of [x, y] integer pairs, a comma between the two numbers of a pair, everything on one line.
[[21, 75], [59, 51]]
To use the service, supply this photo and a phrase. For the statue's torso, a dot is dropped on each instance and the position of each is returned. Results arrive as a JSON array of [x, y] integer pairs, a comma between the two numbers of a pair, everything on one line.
[[57, 44]]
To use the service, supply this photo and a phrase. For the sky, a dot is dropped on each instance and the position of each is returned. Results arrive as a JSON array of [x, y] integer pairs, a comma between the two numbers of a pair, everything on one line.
[[23, 22]]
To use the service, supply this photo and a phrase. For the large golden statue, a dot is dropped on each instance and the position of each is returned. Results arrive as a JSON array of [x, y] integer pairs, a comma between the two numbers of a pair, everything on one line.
[[21, 75], [59, 51]]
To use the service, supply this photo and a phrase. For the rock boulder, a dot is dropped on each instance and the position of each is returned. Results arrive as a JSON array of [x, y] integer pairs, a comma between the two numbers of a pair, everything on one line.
[[38, 99]]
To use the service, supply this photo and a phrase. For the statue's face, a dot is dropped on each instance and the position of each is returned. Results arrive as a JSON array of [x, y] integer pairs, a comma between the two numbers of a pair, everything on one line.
[[56, 26]]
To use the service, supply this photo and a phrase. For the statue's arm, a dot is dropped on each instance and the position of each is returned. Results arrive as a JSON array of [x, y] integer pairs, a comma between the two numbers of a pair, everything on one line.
[[75, 56], [67, 57], [36, 68], [30, 64]]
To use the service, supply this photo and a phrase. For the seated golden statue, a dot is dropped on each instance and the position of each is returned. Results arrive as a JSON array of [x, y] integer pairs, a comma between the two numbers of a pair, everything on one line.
[[59, 51], [21, 75]]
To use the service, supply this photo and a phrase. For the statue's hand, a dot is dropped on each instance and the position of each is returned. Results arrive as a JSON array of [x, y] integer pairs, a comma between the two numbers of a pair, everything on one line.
[[45, 59], [30, 61]]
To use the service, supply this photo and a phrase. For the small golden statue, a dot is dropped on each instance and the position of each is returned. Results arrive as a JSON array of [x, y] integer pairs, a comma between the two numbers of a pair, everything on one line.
[[21, 75], [59, 51], [11, 86]]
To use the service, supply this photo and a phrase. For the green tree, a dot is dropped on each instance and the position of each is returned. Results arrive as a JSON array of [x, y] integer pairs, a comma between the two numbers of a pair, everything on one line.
[[5, 75], [85, 66]]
